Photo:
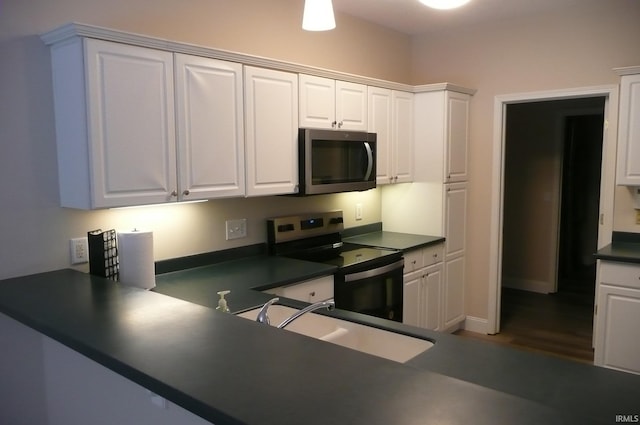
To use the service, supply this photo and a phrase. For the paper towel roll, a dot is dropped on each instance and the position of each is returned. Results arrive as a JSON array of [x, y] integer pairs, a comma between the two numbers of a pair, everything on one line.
[[135, 252]]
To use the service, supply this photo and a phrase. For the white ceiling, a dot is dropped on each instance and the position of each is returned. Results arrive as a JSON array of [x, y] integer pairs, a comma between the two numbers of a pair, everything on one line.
[[412, 17]]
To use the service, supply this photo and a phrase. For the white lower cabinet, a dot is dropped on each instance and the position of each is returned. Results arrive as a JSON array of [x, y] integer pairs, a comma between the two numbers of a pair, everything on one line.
[[617, 334], [423, 288], [422, 298], [311, 291], [453, 292]]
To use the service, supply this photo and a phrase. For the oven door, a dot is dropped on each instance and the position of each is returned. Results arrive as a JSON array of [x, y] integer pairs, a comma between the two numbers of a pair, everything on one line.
[[373, 288]]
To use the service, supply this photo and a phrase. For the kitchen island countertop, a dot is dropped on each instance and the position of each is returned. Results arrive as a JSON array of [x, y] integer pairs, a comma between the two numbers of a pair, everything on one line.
[[457, 381]]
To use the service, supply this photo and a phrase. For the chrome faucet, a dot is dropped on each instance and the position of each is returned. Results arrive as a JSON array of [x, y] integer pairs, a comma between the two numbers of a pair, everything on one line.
[[263, 317]]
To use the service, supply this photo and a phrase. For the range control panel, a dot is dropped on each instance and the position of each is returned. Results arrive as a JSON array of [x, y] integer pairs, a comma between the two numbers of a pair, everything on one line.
[[302, 226]]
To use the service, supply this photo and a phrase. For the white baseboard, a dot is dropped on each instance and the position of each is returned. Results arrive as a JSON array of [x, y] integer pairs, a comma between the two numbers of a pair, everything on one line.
[[476, 324], [527, 285]]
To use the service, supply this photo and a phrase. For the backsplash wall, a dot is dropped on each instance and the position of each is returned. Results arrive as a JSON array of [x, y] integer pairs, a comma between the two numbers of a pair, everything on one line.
[[192, 228]]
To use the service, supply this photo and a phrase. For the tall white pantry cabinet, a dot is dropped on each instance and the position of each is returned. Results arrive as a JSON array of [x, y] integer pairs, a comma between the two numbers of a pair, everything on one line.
[[436, 202]]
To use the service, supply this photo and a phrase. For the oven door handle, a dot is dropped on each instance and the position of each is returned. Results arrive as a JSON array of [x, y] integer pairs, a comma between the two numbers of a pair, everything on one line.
[[374, 272]]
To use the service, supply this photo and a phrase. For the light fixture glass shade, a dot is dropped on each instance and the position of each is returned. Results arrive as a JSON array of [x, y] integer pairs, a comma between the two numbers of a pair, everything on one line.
[[318, 15], [444, 4]]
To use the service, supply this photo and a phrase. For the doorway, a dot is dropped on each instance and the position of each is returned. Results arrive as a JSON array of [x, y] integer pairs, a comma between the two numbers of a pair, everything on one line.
[[552, 167], [553, 153], [605, 224]]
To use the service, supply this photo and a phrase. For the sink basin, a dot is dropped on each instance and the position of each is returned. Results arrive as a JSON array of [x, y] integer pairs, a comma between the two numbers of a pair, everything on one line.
[[367, 339]]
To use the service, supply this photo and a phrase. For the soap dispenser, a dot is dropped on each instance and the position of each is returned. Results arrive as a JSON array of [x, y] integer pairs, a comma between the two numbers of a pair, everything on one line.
[[222, 303]]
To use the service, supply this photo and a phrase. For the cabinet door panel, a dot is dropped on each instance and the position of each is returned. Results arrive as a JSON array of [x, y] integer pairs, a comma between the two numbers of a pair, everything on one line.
[[351, 106], [628, 172], [412, 304], [210, 128], [455, 218], [458, 137], [432, 289], [454, 291], [402, 130], [131, 116], [618, 338], [317, 102], [379, 104], [271, 116]]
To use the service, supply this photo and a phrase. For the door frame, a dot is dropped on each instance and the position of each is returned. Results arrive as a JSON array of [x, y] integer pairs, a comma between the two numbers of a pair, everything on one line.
[[607, 181]]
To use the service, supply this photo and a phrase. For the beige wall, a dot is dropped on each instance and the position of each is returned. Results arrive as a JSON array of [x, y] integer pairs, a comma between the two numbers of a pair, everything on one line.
[[574, 48], [35, 231]]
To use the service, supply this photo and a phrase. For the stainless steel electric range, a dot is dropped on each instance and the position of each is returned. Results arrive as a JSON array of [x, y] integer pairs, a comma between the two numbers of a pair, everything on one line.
[[368, 280]]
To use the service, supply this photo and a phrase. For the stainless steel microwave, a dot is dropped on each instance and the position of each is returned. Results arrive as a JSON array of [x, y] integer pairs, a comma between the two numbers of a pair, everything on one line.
[[333, 161]]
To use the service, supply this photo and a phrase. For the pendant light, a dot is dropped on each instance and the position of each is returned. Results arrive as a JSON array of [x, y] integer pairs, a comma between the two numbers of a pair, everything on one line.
[[444, 4], [318, 15]]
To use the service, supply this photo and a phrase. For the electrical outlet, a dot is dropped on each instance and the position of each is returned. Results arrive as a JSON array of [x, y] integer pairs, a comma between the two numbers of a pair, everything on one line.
[[637, 216], [236, 229], [79, 250], [358, 211]]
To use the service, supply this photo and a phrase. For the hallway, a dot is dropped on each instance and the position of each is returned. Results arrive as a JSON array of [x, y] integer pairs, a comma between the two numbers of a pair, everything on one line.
[[559, 324]]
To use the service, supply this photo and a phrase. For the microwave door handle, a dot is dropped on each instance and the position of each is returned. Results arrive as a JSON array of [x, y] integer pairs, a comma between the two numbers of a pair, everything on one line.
[[367, 147]]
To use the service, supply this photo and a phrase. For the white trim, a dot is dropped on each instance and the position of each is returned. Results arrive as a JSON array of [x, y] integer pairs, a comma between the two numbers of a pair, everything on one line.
[[74, 29], [627, 70], [610, 92], [476, 324]]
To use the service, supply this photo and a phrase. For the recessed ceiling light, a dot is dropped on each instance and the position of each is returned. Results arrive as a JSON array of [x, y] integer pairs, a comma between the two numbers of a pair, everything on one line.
[[444, 4]]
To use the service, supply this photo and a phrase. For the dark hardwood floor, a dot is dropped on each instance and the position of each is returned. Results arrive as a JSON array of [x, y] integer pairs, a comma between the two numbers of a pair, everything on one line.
[[559, 324]]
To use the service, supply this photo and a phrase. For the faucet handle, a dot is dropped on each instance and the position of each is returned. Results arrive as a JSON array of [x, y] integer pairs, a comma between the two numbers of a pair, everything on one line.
[[263, 317]]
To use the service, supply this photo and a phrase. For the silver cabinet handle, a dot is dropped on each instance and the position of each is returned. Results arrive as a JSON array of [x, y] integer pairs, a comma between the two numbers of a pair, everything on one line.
[[186, 192], [174, 193]]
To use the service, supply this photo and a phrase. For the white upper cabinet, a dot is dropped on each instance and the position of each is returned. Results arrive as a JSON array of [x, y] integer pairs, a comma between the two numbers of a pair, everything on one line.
[[629, 129], [391, 118], [271, 131], [117, 110], [332, 104], [457, 133], [210, 124], [402, 136], [442, 136], [115, 130]]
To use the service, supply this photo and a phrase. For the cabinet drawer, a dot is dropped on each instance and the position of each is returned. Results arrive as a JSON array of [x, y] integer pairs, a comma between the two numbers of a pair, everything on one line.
[[620, 274], [413, 260], [432, 254], [310, 291]]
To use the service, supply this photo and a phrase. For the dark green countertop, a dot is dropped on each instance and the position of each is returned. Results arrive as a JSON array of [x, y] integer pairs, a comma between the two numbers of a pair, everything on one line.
[[628, 252], [457, 381], [393, 240], [624, 247], [244, 277]]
